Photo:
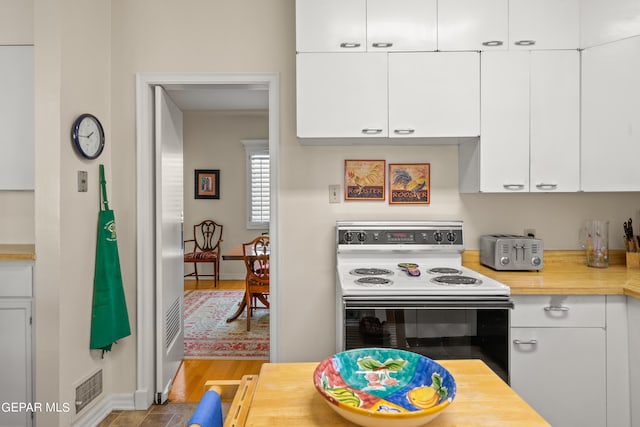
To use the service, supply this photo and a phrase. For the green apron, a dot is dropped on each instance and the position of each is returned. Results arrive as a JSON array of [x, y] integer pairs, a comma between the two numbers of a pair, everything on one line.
[[109, 319]]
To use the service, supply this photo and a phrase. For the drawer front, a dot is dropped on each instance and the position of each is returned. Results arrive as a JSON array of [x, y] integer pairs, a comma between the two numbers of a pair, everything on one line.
[[16, 279], [558, 311]]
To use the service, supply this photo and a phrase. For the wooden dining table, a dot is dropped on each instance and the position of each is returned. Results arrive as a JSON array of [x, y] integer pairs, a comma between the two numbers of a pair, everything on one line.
[[285, 396], [236, 254]]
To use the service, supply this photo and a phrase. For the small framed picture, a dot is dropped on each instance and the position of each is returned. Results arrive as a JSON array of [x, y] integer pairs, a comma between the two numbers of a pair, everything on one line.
[[409, 183], [207, 183], [364, 179]]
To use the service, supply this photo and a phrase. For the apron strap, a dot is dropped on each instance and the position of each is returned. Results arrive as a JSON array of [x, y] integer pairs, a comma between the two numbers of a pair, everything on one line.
[[104, 203]]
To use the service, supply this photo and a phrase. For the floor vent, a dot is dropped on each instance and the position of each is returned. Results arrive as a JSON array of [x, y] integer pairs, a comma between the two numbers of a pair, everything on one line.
[[88, 390]]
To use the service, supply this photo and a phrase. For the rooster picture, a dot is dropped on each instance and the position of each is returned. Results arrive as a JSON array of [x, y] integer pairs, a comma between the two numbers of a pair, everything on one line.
[[363, 177], [409, 183]]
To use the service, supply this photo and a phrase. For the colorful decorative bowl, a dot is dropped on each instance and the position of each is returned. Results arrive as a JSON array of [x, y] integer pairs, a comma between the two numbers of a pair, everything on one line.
[[382, 387]]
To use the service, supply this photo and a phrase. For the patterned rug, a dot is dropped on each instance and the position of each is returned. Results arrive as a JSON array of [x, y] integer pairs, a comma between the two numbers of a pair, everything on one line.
[[207, 335]]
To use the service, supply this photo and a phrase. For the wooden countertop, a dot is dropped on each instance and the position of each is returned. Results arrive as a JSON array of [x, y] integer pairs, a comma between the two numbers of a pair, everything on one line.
[[18, 252], [566, 273], [285, 395]]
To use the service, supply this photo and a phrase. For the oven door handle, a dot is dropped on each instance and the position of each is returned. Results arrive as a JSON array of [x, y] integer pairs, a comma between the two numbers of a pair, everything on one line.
[[431, 304]]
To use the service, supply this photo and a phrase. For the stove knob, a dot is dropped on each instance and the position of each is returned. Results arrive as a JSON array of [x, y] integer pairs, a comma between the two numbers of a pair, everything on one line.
[[437, 236], [451, 236], [504, 260], [536, 261], [362, 236], [348, 236]]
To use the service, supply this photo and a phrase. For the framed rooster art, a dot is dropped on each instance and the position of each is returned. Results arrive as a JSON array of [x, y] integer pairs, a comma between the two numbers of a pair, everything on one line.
[[364, 179], [409, 183]]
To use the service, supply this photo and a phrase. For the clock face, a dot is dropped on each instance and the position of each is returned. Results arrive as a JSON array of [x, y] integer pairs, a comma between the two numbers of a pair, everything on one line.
[[88, 136]]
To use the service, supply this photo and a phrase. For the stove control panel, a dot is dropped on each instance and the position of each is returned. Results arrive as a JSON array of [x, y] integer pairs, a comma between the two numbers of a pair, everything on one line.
[[452, 236]]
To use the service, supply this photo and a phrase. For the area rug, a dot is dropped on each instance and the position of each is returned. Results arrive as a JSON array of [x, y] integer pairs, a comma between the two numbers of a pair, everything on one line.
[[207, 335]]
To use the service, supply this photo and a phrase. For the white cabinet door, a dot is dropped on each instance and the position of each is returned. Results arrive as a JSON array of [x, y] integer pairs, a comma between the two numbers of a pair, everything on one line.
[[604, 22], [15, 359], [473, 25], [401, 25], [331, 25], [17, 132], [555, 121], [561, 373], [610, 119], [544, 24], [434, 94], [633, 313], [504, 124], [341, 95]]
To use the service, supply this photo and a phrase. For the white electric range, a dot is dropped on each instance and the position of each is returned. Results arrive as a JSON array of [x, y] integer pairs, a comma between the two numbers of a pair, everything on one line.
[[401, 284]]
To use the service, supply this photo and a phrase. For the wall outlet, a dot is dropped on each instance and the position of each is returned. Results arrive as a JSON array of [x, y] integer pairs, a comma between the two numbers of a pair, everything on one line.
[[334, 194], [531, 232]]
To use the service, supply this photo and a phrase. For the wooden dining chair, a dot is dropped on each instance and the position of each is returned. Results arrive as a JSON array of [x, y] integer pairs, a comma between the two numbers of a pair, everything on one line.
[[256, 260], [207, 237]]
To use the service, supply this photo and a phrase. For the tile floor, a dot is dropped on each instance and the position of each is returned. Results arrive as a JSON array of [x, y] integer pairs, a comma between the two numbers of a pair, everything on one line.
[[169, 415]]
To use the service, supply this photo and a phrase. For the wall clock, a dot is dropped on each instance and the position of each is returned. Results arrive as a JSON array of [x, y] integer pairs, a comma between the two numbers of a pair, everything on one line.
[[88, 136]]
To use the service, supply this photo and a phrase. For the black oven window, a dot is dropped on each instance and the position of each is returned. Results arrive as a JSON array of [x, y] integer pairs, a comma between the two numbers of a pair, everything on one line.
[[437, 333]]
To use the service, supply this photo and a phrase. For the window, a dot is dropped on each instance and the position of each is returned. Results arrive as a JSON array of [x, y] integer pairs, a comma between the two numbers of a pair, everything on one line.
[[258, 196]]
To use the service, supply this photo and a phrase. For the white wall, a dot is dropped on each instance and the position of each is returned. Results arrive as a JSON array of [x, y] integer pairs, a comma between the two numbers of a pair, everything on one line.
[[212, 141], [16, 207]]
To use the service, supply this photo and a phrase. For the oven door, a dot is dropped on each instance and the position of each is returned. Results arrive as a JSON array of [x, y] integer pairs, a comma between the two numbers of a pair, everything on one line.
[[461, 328]]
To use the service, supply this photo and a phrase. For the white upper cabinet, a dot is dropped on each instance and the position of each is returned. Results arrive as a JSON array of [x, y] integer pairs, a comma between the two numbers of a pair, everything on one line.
[[17, 133], [607, 21], [402, 25], [361, 25], [504, 141], [434, 94], [610, 116], [473, 24], [426, 94], [544, 24], [331, 25], [341, 95], [555, 121], [529, 136]]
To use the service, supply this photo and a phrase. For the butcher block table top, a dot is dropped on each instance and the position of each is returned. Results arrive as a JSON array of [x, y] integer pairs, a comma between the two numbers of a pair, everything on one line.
[[18, 252], [285, 396], [566, 273]]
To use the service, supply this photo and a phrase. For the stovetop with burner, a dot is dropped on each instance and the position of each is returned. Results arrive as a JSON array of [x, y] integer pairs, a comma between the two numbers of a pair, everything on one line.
[[419, 258]]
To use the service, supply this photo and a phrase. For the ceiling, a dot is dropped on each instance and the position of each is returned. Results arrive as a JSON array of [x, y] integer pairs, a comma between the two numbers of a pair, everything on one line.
[[219, 96]]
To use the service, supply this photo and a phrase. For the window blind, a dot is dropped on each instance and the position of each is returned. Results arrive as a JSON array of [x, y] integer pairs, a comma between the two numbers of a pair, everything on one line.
[[259, 198]]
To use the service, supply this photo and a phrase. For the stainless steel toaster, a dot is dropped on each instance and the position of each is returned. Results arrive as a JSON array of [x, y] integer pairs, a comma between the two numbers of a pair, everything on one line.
[[508, 252]]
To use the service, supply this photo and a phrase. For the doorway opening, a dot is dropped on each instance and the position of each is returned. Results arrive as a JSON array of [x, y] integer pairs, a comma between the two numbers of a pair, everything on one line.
[[149, 383]]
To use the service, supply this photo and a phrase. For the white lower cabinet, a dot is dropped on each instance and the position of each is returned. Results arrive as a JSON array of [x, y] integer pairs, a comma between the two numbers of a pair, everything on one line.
[[558, 357], [16, 338], [633, 313]]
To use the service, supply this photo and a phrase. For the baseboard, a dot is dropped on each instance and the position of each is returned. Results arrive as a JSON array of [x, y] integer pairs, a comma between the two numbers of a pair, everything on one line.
[[98, 412]]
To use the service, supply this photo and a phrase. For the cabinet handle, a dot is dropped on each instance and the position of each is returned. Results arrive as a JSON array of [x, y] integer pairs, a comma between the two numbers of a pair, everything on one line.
[[556, 308], [492, 43], [543, 186], [525, 43], [370, 131], [407, 131], [513, 186], [382, 44], [530, 342], [349, 45]]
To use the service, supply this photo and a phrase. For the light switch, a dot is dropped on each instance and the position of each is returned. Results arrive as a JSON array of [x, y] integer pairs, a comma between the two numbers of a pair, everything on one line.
[[82, 181], [334, 194]]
